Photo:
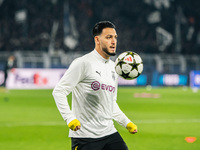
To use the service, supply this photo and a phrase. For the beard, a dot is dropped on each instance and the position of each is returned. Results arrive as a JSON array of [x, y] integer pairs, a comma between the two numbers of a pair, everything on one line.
[[108, 53]]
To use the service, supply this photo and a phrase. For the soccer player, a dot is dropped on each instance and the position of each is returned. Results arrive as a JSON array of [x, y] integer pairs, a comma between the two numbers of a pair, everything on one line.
[[93, 82]]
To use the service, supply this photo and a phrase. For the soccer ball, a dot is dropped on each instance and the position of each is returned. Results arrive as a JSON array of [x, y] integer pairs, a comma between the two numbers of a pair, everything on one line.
[[128, 65]]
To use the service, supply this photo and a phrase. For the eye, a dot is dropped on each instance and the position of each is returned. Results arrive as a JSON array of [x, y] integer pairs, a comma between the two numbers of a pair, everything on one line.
[[108, 37]]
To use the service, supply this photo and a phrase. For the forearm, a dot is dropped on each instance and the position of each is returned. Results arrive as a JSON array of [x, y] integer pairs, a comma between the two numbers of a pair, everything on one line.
[[123, 120], [119, 116], [60, 97]]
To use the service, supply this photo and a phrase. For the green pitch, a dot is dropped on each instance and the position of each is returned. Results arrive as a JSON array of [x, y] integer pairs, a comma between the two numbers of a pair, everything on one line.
[[29, 119]]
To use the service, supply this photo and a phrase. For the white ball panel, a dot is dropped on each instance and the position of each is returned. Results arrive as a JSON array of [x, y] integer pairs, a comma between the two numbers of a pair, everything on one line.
[[126, 68], [137, 59], [116, 62], [133, 73], [118, 70], [122, 55], [140, 68]]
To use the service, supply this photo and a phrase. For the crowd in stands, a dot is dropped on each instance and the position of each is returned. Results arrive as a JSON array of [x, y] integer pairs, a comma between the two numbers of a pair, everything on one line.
[[130, 17]]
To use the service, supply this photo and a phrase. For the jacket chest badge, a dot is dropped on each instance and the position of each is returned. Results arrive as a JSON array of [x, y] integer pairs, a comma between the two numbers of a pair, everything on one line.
[[113, 75]]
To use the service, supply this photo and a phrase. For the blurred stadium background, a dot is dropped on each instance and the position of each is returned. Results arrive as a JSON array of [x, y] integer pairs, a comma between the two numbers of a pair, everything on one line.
[[45, 36], [52, 33]]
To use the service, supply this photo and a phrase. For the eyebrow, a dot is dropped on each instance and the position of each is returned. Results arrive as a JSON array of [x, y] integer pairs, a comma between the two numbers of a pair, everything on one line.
[[111, 35]]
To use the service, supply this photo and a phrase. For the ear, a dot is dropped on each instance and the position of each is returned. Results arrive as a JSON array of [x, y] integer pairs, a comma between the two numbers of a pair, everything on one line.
[[96, 38]]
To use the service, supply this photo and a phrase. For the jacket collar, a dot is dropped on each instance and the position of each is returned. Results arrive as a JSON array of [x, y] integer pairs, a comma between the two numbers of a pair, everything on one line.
[[100, 57]]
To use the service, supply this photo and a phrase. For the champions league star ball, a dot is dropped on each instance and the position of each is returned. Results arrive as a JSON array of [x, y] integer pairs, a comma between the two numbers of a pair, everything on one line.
[[129, 65]]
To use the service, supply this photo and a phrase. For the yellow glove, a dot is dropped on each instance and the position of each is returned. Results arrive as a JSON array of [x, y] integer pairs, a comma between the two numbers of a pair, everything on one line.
[[74, 125], [132, 128]]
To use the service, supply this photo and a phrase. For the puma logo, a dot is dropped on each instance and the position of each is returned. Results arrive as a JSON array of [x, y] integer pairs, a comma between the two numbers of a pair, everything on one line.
[[98, 73]]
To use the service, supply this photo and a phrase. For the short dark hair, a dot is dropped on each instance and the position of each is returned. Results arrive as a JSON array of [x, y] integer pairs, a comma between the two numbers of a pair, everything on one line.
[[98, 27]]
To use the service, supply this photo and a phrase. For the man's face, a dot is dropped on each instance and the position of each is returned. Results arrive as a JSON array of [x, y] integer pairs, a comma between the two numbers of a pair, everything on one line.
[[108, 41]]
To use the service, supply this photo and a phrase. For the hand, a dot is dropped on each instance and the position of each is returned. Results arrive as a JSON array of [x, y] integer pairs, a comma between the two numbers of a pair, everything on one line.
[[74, 125], [135, 131], [132, 128]]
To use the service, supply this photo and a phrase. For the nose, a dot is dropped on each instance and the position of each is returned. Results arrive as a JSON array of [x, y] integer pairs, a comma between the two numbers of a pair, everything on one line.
[[114, 40]]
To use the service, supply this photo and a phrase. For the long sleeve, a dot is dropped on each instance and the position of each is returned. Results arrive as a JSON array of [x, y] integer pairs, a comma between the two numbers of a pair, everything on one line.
[[64, 87], [119, 116]]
